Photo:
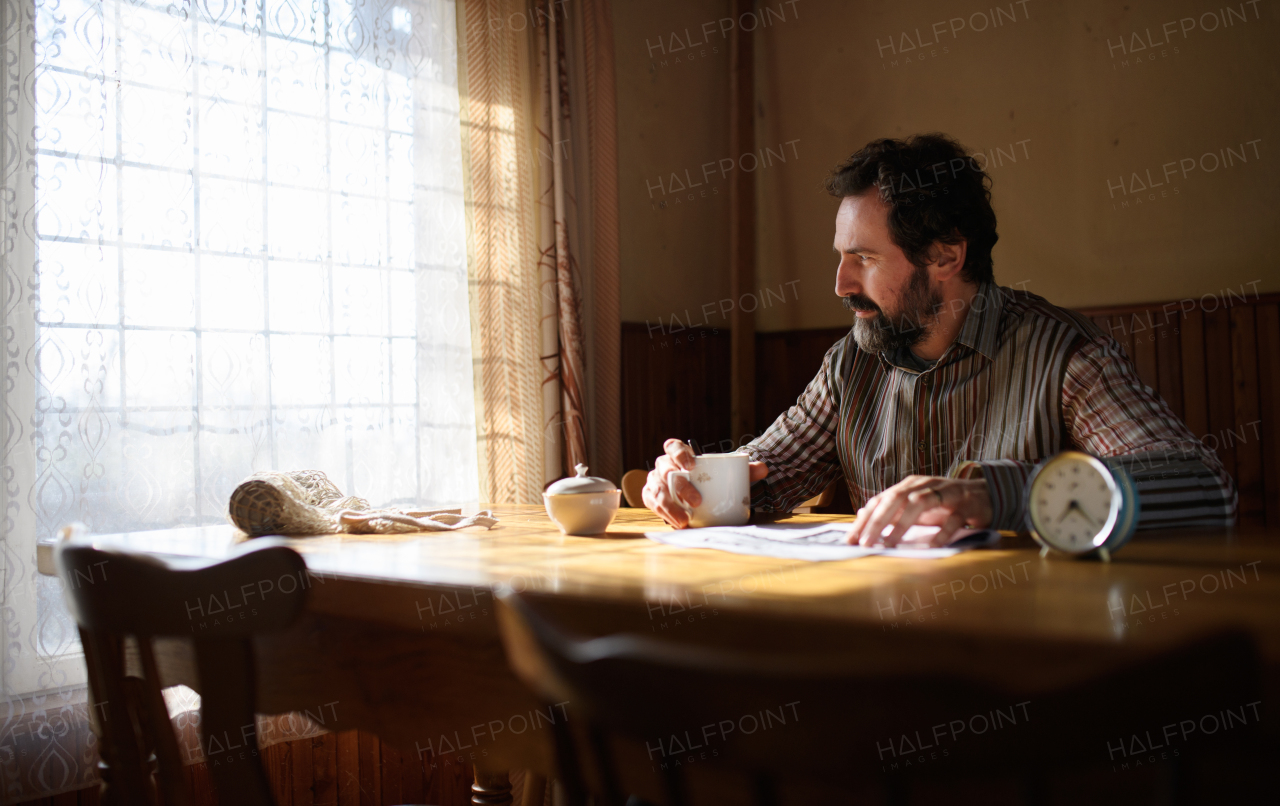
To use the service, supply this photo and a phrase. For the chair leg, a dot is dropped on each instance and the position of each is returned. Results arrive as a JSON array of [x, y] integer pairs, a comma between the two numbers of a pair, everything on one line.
[[535, 789], [570, 774], [604, 763], [1180, 781], [766, 791], [673, 784], [896, 792], [491, 789]]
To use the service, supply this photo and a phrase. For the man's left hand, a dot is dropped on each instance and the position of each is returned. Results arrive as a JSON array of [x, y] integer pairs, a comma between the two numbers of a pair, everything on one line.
[[926, 500]]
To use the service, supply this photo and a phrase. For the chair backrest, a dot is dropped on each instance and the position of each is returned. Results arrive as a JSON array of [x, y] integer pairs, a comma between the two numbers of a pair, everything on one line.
[[822, 499], [118, 598], [828, 702], [633, 487]]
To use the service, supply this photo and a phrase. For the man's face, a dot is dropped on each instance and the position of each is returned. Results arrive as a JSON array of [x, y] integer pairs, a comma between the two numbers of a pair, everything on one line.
[[894, 301]]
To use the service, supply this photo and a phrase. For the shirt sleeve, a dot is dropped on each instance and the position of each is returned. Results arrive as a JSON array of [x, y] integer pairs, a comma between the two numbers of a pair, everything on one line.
[[1110, 413], [800, 447]]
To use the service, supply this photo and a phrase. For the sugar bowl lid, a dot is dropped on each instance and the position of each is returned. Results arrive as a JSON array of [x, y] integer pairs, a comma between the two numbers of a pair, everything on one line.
[[581, 483]]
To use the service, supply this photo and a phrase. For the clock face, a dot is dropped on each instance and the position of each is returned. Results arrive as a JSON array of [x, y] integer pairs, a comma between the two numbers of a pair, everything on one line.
[[1071, 503]]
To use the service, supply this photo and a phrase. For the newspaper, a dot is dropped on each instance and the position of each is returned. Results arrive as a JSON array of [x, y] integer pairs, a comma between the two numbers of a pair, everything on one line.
[[824, 542]]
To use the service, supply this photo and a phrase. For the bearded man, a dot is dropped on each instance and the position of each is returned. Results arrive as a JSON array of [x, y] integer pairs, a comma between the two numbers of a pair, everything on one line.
[[948, 390]]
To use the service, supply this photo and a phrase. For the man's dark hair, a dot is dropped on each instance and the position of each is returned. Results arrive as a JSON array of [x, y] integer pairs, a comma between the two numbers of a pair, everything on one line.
[[934, 191]]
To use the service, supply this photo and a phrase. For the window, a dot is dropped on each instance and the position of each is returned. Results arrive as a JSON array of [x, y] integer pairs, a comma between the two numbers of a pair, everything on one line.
[[241, 232]]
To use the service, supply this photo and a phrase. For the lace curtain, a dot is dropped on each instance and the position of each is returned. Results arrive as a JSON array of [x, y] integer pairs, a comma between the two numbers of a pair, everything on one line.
[[233, 240]]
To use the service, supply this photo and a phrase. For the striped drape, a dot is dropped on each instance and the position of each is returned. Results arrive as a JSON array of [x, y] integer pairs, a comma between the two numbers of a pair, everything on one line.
[[604, 356], [578, 232], [541, 143]]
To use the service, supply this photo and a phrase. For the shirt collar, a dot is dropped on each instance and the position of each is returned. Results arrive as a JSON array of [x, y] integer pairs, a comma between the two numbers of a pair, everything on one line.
[[981, 327], [979, 332]]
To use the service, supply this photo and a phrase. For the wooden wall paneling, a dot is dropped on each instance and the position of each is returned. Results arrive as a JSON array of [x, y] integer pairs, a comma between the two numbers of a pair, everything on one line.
[[277, 761], [1117, 326], [1268, 327], [201, 785], [1103, 321], [390, 774], [302, 768], [369, 754], [412, 779], [772, 366], [1142, 331], [324, 769], [431, 779], [639, 388], [674, 384], [787, 361], [635, 392], [1219, 385], [1169, 361], [348, 757], [1247, 427], [707, 426], [1194, 399], [449, 782]]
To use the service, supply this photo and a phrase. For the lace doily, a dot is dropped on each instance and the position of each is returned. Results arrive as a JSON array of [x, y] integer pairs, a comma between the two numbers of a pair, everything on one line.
[[305, 502]]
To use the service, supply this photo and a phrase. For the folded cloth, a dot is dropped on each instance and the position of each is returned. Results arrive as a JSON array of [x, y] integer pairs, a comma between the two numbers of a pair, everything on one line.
[[305, 502]]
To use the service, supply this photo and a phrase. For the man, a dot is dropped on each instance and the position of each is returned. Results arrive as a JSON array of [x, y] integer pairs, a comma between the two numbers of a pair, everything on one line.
[[949, 389]]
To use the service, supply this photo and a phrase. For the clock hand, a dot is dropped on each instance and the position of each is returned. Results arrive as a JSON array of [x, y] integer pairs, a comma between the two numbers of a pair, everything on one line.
[[1076, 506], [1066, 511]]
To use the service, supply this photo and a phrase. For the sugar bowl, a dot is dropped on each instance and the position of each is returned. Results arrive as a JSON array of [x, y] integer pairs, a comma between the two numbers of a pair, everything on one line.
[[581, 504]]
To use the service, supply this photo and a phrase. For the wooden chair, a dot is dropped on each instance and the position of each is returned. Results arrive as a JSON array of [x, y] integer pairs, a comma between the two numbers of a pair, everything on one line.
[[632, 485], [822, 499], [832, 698], [122, 602]]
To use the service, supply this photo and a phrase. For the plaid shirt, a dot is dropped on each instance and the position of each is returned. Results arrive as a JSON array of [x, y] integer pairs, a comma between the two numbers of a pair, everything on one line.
[[1023, 380]]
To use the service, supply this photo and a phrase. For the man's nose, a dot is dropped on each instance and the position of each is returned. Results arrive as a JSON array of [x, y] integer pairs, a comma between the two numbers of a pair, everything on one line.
[[847, 278]]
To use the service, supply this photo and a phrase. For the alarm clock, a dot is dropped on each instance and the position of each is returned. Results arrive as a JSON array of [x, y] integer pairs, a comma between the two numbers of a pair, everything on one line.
[[1079, 504]]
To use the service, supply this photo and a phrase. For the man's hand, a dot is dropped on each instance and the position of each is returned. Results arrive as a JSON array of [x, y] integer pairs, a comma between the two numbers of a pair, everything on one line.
[[657, 496], [926, 500]]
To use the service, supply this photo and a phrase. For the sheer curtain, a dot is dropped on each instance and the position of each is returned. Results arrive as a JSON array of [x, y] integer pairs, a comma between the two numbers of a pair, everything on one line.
[[543, 178], [234, 240]]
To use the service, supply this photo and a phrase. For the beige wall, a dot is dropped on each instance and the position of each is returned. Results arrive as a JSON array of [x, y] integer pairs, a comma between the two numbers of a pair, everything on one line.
[[1071, 118], [672, 117]]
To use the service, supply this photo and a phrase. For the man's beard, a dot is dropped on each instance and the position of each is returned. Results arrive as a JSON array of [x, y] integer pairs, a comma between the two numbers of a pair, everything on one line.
[[917, 312]]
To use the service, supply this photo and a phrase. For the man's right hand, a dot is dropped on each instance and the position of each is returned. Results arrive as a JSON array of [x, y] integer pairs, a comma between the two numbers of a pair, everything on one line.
[[657, 495]]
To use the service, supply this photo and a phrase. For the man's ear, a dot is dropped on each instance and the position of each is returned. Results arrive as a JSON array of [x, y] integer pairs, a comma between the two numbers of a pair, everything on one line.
[[947, 259]]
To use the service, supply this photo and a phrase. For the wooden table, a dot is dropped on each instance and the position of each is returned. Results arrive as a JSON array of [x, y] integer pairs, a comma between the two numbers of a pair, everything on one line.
[[400, 630]]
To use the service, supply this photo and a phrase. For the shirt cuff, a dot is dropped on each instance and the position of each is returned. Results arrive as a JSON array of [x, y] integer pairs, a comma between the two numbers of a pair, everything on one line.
[[1006, 479]]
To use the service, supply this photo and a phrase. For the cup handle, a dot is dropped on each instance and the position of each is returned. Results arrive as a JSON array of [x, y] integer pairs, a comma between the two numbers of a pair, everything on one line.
[[671, 488]]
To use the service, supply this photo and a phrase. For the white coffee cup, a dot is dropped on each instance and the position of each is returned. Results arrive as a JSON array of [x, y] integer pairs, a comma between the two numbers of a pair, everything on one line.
[[723, 482]]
